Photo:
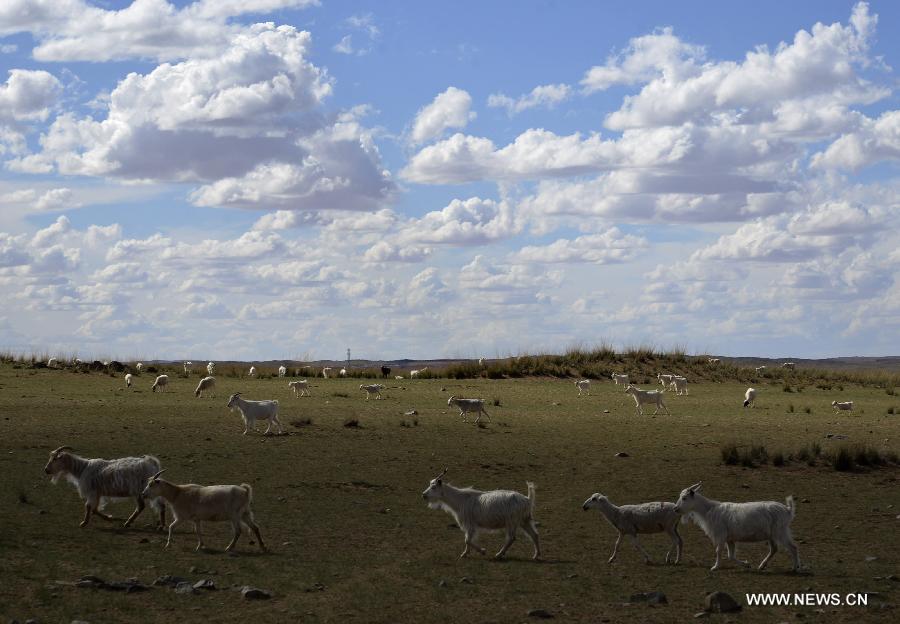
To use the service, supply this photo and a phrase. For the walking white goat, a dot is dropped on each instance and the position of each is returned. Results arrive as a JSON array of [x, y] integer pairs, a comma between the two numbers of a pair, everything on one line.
[[475, 511], [728, 523], [198, 503], [252, 411], [469, 405], [633, 519], [99, 480], [583, 385], [749, 397], [647, 396], [300, 387], [372, 390]]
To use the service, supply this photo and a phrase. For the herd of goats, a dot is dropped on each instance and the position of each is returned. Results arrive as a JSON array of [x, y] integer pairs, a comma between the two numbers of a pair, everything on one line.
[[475, 511]]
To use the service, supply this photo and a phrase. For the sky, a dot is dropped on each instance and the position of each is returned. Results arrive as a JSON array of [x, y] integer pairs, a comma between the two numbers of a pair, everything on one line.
[[268, 179]]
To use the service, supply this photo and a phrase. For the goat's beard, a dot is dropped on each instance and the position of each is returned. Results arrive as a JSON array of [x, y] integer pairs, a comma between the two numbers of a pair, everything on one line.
[[436, 504]]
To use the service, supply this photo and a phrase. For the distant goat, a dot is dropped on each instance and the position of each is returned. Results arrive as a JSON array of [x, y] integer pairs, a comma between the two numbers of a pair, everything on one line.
[[282, 371], [161, 384], [623, 379], [139, 366], [749, 397], [325, 371], [728, 523], [760, 370], [415, 373], [206, 384], [210, 369], [679, 384], [385, 372], [583, 385], [188, 367], [128, 378], [469, 405], [372, 390], [665, 380], [475, 511], [342, 372], [788, 365], [300, 387], [251, 411], [631, 520], [845, 406], [714, 361], [647, 396], [251, 372], [100, 480]]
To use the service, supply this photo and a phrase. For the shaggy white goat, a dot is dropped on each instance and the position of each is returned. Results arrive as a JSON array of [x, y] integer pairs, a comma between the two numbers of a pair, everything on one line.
[[399, 377], [252, 372], [52, 363], [342, 372], [199, 503], [623, 379], [210, 369], [838, 406], [647, 396], [583, 385], [469, 405], [207, 384], [128, 378], [188, 367], [749, 397], [300, 387], [99, 480], [251, 411], [728, 523], [139, 366], [282, 371], [372, 390], [475, 511], [161, 384], [415, 373], [643, 518], [325, 371]]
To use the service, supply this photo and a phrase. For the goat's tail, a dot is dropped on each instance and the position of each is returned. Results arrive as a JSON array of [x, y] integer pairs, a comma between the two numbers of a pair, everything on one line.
[[532, 496], [249, 490], [791, 505]]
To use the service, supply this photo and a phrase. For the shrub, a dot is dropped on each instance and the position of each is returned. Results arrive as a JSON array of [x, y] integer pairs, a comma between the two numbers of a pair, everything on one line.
[[787, 388], [496, 402], [807, 409], [778, 459], [842, 460], [791, 408], [730, 455], [352, 423]]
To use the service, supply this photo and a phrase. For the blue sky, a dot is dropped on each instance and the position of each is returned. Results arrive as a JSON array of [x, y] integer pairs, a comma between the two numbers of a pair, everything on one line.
[[289, 178]]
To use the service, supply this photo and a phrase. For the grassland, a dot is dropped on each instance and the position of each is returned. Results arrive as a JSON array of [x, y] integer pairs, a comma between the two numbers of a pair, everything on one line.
[[353, 541]]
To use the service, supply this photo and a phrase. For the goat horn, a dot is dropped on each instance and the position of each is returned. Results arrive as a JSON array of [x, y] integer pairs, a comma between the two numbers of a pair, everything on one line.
[[443, 473], [62, 448], [158, 473]]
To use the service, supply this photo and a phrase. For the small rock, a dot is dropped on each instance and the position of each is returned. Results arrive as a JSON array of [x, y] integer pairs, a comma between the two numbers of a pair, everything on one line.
[[442, 583], [701, 614], [287, 543], [891, 577], [254, 593], [194, 570], [143, 540], [185, 588], [871, 558], [804, 500], [746, 486], [721, 602], [169, 581], [606, 411], [654, 597], [540, 613], [466, 580], [315, 587], [571, 576], [31, 621], [556, 403], [205, 584], [622, 454], [411, 413]]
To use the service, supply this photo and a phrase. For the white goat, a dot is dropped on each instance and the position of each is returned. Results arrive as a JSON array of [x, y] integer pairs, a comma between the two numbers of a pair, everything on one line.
[[679, 384], [52, 363], [199, 503], [210, 369], [845, 406], [481, 362], [139, 366], [342, 372], [325, 371], [475, 511], [100, 480], [252, 411], [583, 385], [728, 523], [188, 367], [623, 379], [300, 387], [665, 380], [788, 365], [128, 378], [713, 361], [207, 383], [647, 396], [415, 373], [252, 372], [643, 518], [760, 370], [749, 397], [469, 405], [161, 384], [399, 377], [372, 390], [282, 371]]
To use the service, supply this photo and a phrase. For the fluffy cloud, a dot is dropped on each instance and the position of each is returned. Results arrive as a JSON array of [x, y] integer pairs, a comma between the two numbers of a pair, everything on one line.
[[449, 109], [543, 96], [609, 247], [26, 96], [874, 141]]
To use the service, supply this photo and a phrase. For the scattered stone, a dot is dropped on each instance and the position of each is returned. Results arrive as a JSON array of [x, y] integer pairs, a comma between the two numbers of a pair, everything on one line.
[[571, 576], [836, 436], [466, 580], [622, 454], [721, 602], [540, 613], [287, 543], [315, 587], [411, 413], [169, 580], [556, 403], [442, 583], [871, 558], [205, 584], [654, 597], [804, 500], [254, 593], [746, 486], [31, 621], [701, 614], [194, 570], [143, 540], [185, 588], [606, 411]]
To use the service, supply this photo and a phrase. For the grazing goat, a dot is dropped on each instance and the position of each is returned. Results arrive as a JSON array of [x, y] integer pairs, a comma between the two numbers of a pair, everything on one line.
[[647, 396], [845, 406], [749, 397], [210, 369], [188, 368], [128, 378], [207, 383], [633, 519], [300, 387], [98, 480], [469, 405], [496, 510], [665, 380], [583, 385], [385, 372], [199, 503], [372, 389], [415, 373], [325, 371], [679, 384], [760, 370], [161, 384], [399, 377], [282, 371], [251, 411], [788, 365], [728, 523], [617, 378], [139, 367], [713, 361], [251, 372]]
